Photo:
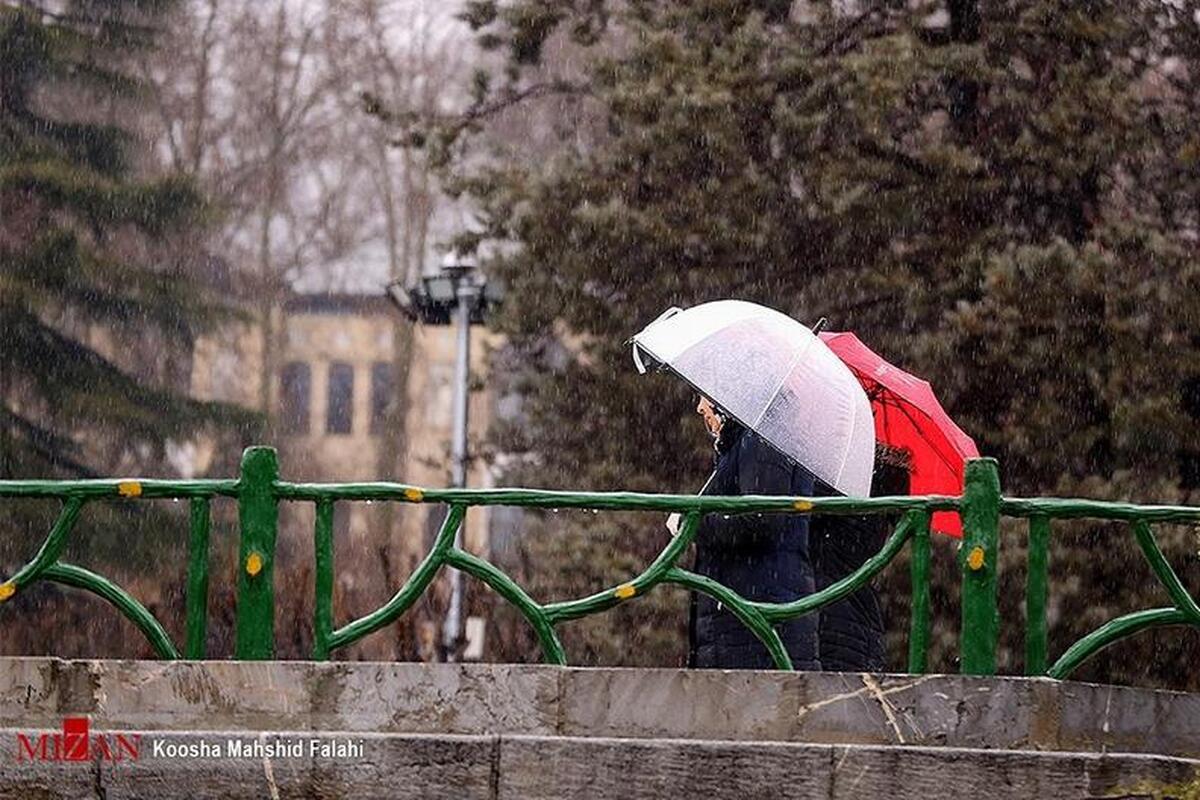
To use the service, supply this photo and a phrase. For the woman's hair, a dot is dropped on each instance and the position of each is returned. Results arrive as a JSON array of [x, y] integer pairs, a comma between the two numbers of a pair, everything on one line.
[[892, 456], [731, 430], [892, 466]]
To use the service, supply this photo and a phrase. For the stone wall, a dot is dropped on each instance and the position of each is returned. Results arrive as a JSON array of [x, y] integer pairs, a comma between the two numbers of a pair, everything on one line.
[[513, 731]]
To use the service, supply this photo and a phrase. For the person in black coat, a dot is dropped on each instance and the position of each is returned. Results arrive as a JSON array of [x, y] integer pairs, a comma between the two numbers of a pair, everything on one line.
[[851, 631], [762, 557]]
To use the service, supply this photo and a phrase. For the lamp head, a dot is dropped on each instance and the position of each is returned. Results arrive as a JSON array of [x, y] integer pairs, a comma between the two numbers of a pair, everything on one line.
[[458, 266]]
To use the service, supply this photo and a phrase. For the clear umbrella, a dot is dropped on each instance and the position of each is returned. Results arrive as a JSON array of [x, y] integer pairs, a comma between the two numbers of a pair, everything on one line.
[[777, 378]]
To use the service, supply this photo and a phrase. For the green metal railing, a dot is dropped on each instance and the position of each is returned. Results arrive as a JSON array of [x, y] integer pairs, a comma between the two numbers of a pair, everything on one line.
[[259, 491]]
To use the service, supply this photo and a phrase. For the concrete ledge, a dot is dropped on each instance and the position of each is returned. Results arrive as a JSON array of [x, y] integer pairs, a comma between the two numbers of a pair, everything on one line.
[[530, 768], [934, 710]]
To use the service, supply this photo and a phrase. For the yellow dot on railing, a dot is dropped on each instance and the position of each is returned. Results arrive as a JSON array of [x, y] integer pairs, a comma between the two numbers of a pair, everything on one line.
[[975, 558], [7, 590], [254, 564], [625, 591], [129, 489], [802, 505], [413, 495]]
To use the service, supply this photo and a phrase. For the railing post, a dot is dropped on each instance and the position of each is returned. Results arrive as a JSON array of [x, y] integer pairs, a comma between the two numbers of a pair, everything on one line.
[[258, 514], [323, 581], [978, 560], [197, 590], [918, 632], [1036, 583]]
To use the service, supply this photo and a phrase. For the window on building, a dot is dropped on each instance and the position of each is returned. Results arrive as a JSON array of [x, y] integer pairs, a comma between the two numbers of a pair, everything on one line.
[[383, 389], [295, 389], [340, 410]]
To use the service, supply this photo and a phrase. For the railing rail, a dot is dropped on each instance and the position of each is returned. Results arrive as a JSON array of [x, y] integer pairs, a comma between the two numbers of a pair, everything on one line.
[[259, 490]]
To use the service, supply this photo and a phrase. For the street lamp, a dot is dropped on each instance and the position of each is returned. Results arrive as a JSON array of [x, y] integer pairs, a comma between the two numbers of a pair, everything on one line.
[[458, 294]]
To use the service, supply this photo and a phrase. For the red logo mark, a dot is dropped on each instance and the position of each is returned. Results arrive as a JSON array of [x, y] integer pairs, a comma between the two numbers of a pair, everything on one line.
[[77, 743]]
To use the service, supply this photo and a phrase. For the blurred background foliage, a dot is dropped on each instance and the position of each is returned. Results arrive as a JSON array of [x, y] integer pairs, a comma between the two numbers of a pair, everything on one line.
[[1002, 197]]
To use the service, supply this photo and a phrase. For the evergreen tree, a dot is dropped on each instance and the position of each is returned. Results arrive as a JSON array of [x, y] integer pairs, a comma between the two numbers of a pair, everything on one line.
[[90, 298], [98, 308], [990, 194]]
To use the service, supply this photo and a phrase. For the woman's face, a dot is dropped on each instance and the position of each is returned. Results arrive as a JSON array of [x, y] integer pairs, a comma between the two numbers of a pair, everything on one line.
[[708, 411]]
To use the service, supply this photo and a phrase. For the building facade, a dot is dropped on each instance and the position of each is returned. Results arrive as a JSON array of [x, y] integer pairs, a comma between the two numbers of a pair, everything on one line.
[[333, 401]]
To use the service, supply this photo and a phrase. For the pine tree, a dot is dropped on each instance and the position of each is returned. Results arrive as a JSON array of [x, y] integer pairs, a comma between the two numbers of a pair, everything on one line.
[[98, 308], [90, 296]]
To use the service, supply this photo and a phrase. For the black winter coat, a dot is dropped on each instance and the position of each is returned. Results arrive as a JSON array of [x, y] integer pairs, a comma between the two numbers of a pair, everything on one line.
[[851, 630], [761, 557]]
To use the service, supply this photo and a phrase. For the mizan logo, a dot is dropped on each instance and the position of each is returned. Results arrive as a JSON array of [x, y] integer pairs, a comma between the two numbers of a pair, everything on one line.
[[77, 743]]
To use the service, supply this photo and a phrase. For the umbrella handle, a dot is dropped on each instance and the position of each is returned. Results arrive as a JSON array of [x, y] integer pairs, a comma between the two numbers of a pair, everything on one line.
[[674, 520]]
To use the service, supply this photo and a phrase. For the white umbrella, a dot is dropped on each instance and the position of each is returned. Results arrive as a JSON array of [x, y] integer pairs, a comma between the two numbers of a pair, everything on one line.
[[777, 378]]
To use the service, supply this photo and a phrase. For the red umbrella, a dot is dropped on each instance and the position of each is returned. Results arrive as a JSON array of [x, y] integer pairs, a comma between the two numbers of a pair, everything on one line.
[[909, 416]]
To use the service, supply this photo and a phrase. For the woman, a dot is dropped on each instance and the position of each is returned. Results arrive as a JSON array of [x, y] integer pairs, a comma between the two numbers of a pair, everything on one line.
[[762, 557]]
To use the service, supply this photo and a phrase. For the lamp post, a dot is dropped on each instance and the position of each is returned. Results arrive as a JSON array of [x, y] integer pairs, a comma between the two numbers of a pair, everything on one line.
[[460, 295]]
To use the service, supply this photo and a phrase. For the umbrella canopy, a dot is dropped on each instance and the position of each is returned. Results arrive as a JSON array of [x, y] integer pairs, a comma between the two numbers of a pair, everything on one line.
[[777, 378], [909, 416]]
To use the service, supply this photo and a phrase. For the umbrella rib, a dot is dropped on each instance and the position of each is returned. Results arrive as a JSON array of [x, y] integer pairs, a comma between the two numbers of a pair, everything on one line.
[[904, 410], [795, 360], [846, 454], [889, 398]]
